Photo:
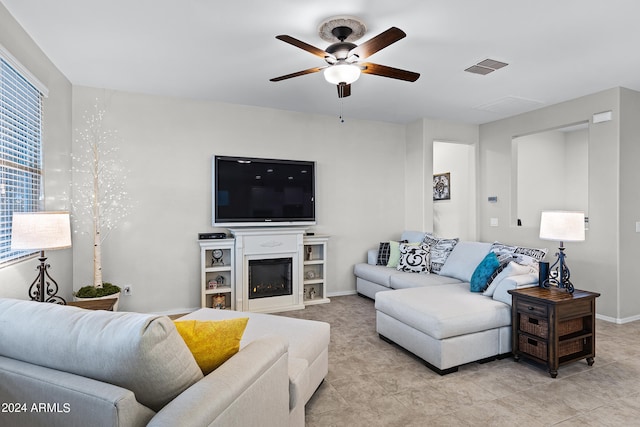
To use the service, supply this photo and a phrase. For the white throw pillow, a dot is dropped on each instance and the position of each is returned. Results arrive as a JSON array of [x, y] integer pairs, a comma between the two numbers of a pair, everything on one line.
[[464, 259], [514, 282], [414, 258], [513, 269]]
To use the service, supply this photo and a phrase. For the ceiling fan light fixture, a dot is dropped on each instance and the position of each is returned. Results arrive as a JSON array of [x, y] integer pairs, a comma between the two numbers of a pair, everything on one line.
[[342, 73]]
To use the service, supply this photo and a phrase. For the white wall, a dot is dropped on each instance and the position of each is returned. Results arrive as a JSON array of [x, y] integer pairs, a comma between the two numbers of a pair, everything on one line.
[[16, 278], [456, 217], [629, 296], [421, 135], [168, 144], [551, 174], [594, 263]]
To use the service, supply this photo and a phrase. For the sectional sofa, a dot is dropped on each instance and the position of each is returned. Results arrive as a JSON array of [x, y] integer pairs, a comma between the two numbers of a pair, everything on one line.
[[63, 366], [433, 313]]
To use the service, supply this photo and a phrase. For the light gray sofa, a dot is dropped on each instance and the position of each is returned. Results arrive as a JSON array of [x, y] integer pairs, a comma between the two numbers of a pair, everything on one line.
[[65, 366], [435, 316]]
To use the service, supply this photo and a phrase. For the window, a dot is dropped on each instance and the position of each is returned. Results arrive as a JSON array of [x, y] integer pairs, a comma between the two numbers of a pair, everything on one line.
[[20, 152]]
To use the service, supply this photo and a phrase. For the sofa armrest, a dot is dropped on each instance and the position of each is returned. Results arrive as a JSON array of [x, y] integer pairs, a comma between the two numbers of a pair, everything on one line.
[[71, 399], [234, 394], [514, 282]]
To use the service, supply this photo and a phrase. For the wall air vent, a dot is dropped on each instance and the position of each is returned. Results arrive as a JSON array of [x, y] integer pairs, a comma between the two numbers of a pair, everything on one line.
[[485, 67]]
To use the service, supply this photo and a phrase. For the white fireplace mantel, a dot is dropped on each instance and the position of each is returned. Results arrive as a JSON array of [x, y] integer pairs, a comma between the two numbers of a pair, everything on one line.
[[265, 243]]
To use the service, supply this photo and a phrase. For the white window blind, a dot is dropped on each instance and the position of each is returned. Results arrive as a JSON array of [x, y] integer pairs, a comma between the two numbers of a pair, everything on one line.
[[20, 153]]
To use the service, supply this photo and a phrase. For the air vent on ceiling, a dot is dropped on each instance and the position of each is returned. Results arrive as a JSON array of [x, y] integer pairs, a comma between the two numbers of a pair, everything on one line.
[[485, 67]]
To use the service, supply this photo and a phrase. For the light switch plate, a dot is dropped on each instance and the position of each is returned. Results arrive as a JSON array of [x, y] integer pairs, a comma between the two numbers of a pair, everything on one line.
[[493, 222]]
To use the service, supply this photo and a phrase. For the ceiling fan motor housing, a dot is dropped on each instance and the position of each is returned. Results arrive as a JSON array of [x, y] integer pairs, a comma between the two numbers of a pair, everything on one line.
[[340, 50]]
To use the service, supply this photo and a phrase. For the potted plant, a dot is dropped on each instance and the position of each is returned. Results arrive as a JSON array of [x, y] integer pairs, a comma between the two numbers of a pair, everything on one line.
[[99, 199]]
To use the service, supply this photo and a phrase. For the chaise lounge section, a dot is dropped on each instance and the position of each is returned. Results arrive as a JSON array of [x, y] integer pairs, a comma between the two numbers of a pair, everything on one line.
[[435, 315]]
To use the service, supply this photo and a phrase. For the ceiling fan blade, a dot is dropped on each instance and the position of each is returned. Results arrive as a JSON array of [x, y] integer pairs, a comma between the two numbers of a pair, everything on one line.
[[304, 46], [379, 42], [385, 71], [296, 74], [344, 90]]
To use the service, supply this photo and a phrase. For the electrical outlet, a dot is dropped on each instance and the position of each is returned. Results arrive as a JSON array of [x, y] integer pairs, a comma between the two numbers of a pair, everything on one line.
[[126, 290]]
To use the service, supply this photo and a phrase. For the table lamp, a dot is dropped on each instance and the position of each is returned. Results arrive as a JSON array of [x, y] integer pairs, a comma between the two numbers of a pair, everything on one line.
[[563, 227], [40, 231]]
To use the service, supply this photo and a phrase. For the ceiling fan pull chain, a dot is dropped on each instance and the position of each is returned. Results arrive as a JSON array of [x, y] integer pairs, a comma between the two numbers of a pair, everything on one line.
[[341, 110]]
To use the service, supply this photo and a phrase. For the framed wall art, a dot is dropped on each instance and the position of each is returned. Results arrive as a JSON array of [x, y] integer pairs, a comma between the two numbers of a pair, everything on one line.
[[442, 186]]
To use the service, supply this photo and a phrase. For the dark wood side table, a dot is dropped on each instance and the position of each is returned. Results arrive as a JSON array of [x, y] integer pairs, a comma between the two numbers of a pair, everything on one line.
[[98, 304], [553, 327]]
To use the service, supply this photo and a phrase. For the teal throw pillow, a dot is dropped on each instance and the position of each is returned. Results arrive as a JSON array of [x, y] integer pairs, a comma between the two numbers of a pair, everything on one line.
[[483, 271]]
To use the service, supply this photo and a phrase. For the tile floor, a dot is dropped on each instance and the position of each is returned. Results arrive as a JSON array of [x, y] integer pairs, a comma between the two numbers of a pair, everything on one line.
[[373, 383]]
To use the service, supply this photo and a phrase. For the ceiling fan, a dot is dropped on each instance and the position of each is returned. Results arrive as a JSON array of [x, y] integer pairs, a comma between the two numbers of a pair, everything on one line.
[[343, 56]]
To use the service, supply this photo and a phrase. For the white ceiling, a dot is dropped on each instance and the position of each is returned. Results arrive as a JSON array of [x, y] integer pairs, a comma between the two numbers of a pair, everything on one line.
[[227, 51]]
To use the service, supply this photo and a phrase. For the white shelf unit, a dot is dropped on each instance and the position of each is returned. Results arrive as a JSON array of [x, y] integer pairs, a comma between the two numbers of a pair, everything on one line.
[[217, 277], [315, 269]]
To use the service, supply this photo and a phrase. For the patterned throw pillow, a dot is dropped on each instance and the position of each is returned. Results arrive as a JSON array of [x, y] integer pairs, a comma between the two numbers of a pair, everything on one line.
[[483, 271], [529, 256], [414, 258], [501, 249], [440, 252], [394, 253], [384, 250]]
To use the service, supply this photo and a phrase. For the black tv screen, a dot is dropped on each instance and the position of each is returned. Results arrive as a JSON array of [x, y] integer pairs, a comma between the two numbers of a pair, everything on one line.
[[249, 191]]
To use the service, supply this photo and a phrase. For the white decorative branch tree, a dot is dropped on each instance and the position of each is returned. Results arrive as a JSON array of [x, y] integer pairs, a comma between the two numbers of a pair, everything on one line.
[[99, 199]]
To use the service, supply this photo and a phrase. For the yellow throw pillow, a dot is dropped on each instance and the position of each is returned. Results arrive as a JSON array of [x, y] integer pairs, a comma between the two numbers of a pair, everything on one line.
[[212, 342]]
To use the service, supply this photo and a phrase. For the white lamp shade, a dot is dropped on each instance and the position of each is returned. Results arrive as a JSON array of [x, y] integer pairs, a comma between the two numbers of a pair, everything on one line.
[[342, 73], [562, 226], [40, 230]]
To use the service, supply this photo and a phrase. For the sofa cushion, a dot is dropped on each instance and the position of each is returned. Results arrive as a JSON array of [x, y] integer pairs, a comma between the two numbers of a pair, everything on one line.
[[463, 260], [307, 338], [484, 270], [444, 311], [402, 280], [411, 236], [414, 258], [212, 342], [140, 352], [379, 274]]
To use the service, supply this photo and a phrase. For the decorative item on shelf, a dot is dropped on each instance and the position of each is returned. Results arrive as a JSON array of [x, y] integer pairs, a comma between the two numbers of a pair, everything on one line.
[[216, 257], [220, 280], [310, 275], [212, 284], [563, 227], [312, 293], [219, 301], [309, 253], [40, 231]]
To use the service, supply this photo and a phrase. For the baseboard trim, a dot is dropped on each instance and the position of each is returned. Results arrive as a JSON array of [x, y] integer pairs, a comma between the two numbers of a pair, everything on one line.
[[340, 294], [618, 320]]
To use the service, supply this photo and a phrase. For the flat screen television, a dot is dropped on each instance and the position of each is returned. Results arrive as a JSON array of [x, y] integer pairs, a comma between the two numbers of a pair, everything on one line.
[[259, 192]]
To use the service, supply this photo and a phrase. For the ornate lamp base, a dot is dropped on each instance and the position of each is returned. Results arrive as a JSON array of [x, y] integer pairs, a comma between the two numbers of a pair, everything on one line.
[[562, 273], [44, 288]]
